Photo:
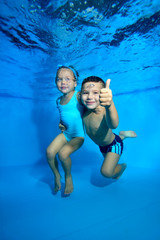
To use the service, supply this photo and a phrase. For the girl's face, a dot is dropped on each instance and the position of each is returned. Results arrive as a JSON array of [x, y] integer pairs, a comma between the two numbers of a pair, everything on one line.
[[66, 82], [90, 94]]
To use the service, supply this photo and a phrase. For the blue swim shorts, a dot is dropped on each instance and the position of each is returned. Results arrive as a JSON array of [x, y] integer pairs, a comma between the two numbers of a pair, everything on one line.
[[116, 146]]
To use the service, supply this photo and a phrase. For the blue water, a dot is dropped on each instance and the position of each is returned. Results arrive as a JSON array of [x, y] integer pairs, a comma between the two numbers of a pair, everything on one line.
[[111, 39]]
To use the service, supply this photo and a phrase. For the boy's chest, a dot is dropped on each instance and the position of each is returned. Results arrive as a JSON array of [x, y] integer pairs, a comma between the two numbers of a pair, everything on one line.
[[94, 124]]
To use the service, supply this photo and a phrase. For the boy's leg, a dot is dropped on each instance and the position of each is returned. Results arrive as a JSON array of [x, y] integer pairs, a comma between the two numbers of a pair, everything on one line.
[[64, 156], [110, 167], [127, 134], [52, 150]]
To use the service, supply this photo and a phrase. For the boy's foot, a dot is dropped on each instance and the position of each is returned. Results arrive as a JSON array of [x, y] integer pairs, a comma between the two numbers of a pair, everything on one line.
[[57, 185], [68, 185], [127, 134], [123, 167]]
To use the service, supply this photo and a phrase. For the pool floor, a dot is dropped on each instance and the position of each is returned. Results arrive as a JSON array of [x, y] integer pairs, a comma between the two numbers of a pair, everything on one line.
[[99, 208]]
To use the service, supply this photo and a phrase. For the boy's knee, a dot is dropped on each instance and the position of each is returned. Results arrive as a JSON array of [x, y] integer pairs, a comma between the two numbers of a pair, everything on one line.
[[106, 173]]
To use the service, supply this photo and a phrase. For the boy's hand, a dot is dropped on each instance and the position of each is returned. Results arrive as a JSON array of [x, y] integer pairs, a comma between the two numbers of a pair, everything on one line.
[[105, 96], [62, 127]]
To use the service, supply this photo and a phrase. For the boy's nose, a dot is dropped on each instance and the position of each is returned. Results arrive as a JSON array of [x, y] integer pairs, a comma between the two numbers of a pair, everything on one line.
[[90, 95]]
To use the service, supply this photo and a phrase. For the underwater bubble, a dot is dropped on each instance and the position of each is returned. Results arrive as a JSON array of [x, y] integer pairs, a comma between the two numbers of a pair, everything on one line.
[[71, 4]]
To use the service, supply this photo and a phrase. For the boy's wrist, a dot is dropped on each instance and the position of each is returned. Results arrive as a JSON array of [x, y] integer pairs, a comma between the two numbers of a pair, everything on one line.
[[108, 107]]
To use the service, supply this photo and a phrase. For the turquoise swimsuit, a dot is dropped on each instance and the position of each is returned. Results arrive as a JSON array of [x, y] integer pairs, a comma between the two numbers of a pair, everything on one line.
[[71, 117]]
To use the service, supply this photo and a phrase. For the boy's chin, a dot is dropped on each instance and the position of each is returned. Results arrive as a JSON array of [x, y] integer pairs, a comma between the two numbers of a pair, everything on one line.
[[91, 107]]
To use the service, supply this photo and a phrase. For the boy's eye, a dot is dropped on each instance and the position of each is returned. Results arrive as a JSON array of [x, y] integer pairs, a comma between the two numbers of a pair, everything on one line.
[[96, 92]]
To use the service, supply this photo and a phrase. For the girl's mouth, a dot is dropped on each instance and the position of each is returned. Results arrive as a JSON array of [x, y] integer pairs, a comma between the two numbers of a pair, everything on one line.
[[63, 88]]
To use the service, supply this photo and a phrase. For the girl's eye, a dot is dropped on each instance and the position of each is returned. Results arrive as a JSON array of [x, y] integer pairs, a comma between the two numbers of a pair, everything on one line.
[[96, 92], [59, 79]]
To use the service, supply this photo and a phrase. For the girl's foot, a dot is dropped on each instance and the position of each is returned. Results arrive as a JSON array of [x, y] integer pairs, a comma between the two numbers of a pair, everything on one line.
[[57, 183], [68, 185]]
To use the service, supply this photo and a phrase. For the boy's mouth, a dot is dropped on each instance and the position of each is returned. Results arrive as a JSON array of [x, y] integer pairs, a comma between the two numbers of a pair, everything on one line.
[[90, 102]]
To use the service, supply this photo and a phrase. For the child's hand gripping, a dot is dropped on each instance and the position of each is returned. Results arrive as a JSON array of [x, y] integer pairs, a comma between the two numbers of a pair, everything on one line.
[[105, 96], [62, 127]]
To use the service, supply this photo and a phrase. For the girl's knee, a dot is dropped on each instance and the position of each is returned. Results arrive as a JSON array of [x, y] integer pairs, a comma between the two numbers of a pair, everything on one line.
[[50, 154], [106, 173], [62, 155]]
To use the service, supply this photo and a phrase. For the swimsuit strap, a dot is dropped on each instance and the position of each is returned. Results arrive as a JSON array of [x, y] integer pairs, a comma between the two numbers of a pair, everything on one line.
[[74, 98]]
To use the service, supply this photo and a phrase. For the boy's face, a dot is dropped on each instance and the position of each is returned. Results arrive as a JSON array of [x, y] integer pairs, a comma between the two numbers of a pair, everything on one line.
[[65, 81], [90, 94]]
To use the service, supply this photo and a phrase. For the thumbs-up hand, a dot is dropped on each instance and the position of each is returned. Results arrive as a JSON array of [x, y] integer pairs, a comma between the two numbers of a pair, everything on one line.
[[105, 96]]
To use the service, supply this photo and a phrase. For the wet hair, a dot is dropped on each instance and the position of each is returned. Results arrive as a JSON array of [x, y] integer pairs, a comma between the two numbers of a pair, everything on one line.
[[93, 79], [74, 71]]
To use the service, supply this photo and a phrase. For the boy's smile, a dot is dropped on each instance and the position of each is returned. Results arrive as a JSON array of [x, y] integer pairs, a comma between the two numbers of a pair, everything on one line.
[[90, 94]]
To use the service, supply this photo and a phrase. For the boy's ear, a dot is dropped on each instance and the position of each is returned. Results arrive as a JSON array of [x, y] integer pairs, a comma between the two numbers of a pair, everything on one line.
[[75, 83], [79, 97]]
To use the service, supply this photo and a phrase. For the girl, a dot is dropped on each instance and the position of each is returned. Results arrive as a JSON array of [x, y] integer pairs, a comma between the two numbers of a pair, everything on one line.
[[72, 137]]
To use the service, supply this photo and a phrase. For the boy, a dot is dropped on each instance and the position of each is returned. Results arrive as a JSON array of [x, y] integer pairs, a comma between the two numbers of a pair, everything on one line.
[[99, 119]]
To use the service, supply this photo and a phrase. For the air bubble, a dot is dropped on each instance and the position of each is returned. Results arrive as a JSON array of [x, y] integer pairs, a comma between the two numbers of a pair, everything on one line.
[[113, 5], [71, 4]]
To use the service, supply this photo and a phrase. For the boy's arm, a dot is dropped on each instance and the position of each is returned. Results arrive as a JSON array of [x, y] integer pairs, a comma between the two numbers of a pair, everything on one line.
[[106, 100], [112, 116], [62, 127]]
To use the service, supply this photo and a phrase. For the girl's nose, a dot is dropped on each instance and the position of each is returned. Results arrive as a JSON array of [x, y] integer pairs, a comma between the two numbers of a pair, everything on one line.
[[63, 80]]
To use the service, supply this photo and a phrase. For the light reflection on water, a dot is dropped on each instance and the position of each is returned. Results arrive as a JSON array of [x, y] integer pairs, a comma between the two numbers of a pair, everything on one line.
[[119, 40]]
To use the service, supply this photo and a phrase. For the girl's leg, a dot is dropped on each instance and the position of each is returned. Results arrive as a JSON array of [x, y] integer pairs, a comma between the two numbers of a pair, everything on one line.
[[64, 156], [52, 150], [110, 167]]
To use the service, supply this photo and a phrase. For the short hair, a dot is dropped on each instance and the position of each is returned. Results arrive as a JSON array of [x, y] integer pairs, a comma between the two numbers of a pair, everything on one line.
[[74, 71], [94, 79]]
